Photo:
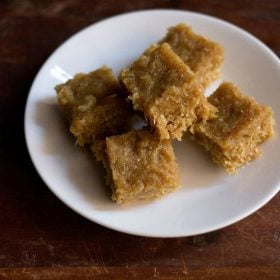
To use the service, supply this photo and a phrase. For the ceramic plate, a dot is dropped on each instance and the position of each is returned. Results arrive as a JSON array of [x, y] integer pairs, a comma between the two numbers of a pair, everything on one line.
[[209, 198]]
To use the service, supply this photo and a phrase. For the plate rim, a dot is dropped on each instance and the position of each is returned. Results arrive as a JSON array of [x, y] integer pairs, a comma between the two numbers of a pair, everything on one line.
[[231, 221]]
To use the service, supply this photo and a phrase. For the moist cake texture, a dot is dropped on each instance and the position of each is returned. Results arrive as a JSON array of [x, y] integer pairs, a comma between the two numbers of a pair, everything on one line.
[[92, 105], [140, 166], [165, 89], [202, 55], [241, 124]]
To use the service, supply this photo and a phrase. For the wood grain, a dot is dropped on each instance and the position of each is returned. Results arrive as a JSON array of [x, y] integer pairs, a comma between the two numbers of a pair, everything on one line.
[[40, 238], [108, 273]]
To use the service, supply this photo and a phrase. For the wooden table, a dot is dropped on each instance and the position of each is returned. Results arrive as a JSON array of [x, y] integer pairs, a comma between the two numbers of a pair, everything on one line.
[[40, 238]]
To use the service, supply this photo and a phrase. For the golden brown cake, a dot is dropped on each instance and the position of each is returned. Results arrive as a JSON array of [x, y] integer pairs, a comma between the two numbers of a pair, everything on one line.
[[165, 89], [92, 105], [241, 124], [140, 166], [203, 56]]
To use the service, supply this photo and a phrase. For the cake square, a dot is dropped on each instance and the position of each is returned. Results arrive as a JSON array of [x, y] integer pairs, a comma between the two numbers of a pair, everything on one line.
[[140, 166], [202, 55], [164, 88], [241, 124], [93, 106]]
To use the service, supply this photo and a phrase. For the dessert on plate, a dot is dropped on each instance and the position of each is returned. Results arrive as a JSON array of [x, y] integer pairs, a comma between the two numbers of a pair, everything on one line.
[[165, 89], [93, 106], [140, 166], [165, 85], [202, 55], [232, 138]]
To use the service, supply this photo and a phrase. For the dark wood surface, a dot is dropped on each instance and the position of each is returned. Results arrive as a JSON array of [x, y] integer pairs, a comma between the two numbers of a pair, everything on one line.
[[40, 238]]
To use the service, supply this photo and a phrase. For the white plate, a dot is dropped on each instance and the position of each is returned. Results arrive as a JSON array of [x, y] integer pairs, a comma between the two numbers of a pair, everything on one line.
[[209, 199]]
